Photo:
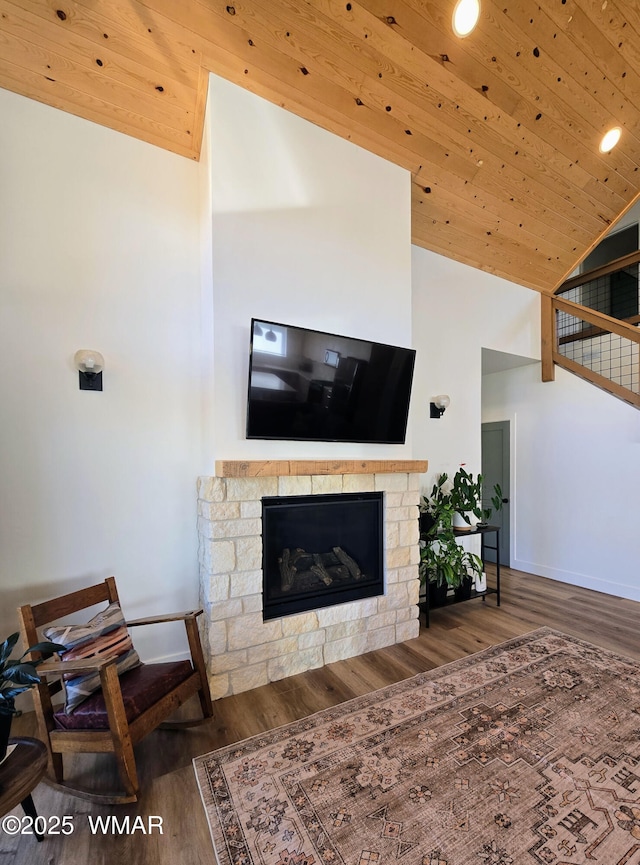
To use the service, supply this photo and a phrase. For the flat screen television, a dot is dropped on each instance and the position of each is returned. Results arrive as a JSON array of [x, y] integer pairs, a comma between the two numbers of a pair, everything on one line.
[[307, 385]]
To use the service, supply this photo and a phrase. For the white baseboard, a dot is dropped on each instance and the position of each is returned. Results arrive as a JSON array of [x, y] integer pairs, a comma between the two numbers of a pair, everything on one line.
[[584, 581]]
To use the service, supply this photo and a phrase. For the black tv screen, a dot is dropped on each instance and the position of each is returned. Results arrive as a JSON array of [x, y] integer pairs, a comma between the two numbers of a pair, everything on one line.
[[307, 385]]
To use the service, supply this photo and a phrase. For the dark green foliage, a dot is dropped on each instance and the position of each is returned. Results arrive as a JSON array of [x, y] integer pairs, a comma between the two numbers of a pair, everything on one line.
[[17, 675]]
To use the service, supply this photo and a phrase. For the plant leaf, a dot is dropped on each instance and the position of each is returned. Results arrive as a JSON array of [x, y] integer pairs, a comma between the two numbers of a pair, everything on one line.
[[7, 696], [44, 647], [22, 674], [7, 647]]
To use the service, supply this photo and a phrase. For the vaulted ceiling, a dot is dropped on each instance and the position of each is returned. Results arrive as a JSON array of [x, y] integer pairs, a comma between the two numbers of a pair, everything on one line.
[[499, 130]]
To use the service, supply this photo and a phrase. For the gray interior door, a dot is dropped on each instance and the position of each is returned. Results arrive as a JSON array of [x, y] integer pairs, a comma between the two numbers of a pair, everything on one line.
[[495, 470]]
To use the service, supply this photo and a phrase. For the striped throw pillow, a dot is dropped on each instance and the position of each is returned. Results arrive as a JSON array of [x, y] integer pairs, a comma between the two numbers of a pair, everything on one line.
[[104, 635]]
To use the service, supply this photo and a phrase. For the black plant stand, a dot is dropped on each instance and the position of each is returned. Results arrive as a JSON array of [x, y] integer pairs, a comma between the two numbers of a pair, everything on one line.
[[483, 531]]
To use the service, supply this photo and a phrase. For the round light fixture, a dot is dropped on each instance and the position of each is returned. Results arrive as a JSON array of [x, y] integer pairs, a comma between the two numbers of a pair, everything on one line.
[[465, 17], [610, 139], [88, 361]]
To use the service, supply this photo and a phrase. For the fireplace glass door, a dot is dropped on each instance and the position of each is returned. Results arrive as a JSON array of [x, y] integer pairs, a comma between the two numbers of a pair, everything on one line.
[[321, 550]]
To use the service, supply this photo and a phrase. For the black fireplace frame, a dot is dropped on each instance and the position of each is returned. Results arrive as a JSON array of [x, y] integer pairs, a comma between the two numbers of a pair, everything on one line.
[[372, 587]]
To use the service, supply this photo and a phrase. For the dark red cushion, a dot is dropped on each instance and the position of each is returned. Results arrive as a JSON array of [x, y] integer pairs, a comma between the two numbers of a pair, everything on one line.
[[141, 688]]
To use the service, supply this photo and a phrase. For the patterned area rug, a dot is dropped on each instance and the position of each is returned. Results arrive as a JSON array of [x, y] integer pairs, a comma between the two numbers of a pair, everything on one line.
[[528, 752]]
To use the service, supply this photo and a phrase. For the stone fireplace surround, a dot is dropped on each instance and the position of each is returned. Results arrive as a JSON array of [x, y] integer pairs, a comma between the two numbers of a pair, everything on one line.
[[243, 651]]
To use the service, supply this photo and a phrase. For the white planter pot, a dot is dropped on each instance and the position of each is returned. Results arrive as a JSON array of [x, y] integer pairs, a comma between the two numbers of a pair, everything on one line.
[[460, 523]]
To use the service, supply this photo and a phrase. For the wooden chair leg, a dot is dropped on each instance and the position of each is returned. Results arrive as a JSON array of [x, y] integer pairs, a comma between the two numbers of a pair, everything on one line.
[[127, 767], [122, 744], [57, 767], [195, 646], [46, 725]]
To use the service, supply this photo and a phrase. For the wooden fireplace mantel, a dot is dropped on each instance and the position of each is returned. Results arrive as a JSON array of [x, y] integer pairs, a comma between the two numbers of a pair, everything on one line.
[[272, 468]]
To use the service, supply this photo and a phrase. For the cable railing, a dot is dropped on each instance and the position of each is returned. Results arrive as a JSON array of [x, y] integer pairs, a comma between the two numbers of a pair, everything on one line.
[[591, 329]]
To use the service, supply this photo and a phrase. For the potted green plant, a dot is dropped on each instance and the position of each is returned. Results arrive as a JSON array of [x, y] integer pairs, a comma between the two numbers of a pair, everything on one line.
[[436, 514], [16, 676], [466, 498], [496, 505], [470, 567], [436, 510], [445, 564], [433, 572]]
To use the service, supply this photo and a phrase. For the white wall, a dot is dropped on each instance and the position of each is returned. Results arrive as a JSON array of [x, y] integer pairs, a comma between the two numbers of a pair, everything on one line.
[[99, 239], [576, 472], [308, 230], [458, 311]]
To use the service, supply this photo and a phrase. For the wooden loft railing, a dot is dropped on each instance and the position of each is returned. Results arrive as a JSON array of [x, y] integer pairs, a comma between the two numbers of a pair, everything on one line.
[[598, 347], [616, 266]]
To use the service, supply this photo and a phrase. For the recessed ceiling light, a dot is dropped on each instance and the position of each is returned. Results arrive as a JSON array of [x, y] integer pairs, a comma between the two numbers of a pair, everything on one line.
[[610, 139], [465, 16]]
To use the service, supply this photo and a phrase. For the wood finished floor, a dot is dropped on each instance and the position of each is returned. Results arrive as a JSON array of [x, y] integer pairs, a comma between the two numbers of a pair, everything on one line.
[[164, 758]]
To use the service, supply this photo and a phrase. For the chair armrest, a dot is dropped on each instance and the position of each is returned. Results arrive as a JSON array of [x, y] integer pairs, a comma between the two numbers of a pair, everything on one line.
[[84, 665], [169, 617]]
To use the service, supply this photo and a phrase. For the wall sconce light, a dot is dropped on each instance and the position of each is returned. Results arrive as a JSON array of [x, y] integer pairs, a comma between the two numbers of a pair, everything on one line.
[[438, 405], [89, 365]]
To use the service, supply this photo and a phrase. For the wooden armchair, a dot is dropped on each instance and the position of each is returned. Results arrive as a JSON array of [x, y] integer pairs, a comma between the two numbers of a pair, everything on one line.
[[125, 708]]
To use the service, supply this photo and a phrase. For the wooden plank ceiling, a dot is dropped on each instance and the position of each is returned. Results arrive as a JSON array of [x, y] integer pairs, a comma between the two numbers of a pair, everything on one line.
[[500, 130]]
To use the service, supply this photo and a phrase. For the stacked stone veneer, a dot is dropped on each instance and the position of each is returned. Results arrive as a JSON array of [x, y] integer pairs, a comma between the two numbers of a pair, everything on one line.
[[242, 650]]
